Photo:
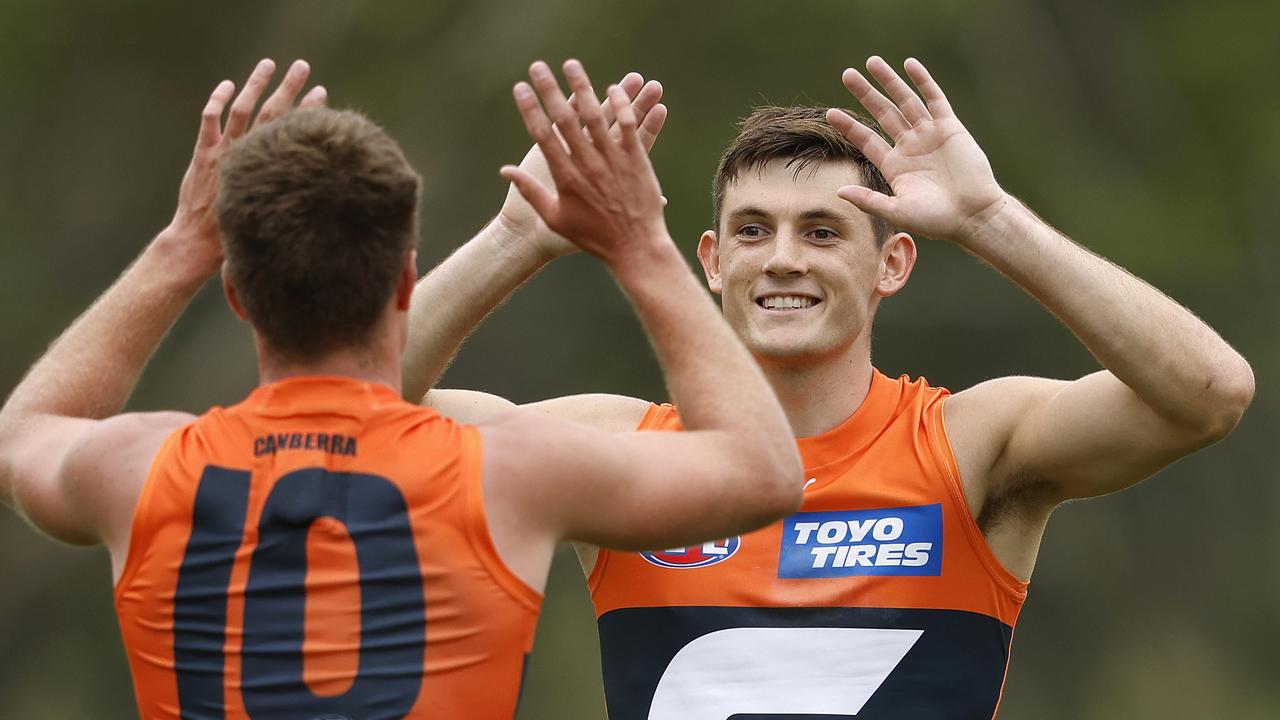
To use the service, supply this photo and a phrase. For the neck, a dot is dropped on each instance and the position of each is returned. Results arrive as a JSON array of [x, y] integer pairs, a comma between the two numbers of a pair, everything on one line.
[[373, 365], [819, 394]]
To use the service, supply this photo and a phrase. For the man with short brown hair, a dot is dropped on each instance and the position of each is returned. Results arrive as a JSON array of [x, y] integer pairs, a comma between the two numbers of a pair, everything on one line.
[[894, 591], [324, 549]]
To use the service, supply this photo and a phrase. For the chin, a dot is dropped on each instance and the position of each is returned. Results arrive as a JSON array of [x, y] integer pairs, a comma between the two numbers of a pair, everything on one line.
[[792, 350]]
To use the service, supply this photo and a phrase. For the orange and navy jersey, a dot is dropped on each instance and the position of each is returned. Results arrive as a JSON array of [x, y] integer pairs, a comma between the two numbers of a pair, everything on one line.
[[321, 551], [878, 599]]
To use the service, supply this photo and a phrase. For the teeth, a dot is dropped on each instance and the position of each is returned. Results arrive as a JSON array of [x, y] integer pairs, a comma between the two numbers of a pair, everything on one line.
[[787, 302]]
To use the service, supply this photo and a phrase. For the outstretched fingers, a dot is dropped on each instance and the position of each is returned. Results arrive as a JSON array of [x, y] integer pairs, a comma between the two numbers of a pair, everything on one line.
[[929, 89], [242, 108], [588, 107], [651, 125], [561, 114], [541, 130], [884, 111], [866, 139], [282, 99], [908, 103], [211, 116], [315, 97], [632, 84], [627, 126]]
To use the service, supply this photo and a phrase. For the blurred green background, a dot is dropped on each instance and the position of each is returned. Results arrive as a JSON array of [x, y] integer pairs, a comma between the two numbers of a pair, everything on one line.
[[1149, 131]]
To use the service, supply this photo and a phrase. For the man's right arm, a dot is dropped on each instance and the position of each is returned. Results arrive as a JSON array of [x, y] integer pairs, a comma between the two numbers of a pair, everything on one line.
[[455, 297], [546, 479]]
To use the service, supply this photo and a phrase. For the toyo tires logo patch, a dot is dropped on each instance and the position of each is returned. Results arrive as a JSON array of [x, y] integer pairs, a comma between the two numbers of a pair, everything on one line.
[[886, 541]]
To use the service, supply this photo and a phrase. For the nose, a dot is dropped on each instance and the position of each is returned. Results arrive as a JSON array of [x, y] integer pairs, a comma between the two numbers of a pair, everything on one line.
[[787, 257]]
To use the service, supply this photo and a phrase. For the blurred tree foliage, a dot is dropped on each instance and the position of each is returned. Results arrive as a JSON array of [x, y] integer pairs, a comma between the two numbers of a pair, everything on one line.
[[1148, 130]]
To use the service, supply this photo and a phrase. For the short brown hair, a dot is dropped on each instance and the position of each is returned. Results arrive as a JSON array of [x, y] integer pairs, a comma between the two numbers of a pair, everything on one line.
[[316, 210], [802, 136]]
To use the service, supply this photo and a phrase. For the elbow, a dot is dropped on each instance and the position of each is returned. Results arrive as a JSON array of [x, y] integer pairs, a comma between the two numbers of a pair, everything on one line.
[[1228, 393], [782, 488]]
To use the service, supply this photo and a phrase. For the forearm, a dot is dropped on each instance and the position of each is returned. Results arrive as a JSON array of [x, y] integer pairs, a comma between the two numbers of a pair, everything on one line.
[[710, 374], [90, 371], [455, 297], [1171, 359]]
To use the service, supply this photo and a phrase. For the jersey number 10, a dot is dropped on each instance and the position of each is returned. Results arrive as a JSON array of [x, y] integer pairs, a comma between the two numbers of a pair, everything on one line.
[[393, 611]]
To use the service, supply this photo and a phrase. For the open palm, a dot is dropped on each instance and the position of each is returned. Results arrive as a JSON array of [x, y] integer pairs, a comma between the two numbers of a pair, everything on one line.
[[941, 179]]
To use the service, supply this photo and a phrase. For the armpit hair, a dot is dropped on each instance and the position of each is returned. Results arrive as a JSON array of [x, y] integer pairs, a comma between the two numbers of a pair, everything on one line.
[[1010, 503]]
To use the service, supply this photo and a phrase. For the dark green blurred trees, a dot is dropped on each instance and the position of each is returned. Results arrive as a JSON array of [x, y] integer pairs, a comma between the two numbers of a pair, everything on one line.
[[1149, 131]]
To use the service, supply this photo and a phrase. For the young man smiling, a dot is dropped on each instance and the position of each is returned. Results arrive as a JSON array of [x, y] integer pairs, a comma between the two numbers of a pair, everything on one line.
[[894, 591]]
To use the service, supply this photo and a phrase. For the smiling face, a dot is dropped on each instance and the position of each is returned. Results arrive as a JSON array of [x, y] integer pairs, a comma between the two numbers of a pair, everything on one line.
[[799, 270]]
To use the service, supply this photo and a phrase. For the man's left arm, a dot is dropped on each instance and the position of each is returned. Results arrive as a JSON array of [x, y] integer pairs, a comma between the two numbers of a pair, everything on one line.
[[1170, 386], [61, 464]]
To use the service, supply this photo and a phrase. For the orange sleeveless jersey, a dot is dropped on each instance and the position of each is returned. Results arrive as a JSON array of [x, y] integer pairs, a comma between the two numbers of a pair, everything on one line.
[[880, 598], [321, 551]]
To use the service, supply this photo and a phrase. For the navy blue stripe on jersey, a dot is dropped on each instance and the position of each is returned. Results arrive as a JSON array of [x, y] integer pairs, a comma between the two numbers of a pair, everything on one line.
[[200, 601], [914, 664]]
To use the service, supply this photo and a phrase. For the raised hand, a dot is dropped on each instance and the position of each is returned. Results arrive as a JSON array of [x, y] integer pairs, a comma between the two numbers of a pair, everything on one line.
[[942, 182], [195, 220], [520, 218], [606, 199]]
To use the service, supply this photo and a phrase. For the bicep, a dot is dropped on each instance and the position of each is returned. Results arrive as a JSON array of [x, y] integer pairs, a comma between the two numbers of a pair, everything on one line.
[[1084, 438]]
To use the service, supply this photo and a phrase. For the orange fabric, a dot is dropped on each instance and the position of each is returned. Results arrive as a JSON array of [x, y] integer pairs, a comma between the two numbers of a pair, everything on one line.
[[479, 618], [892, 453]]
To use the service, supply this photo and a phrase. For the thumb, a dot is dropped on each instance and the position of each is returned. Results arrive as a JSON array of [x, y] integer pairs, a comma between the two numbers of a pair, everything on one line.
[[869, 201], [543, 201]]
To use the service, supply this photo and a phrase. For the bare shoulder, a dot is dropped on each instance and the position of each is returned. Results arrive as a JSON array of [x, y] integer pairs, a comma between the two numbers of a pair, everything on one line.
[[981, 420], [121, 436], [602, 411], [997, 402]]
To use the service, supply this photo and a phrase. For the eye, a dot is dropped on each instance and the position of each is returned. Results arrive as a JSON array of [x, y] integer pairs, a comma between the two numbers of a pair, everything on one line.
[[751, 232], [824, 235]]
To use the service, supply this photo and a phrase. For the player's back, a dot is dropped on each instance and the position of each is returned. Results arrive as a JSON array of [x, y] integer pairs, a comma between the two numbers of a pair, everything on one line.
[[321, 550]]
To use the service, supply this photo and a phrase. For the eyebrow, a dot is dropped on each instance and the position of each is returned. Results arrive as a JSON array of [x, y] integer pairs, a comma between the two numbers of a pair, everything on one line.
[[814, 214]]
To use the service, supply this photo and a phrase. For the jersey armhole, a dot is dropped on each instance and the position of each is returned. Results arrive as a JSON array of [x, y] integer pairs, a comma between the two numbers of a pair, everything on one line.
[[141, 522], [940, 445], [478, 523], [596, 575], [655, 416]]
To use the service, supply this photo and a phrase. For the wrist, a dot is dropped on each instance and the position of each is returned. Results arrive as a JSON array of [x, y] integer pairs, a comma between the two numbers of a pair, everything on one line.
[[985, 229], [517, 243], [184, 259], [648, 260]]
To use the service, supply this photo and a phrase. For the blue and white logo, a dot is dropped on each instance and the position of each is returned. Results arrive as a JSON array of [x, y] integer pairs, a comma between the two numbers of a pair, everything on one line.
[[884, 541]]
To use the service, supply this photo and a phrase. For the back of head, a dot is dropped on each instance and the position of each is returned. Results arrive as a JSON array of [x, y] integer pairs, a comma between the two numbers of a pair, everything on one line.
[[802, 136], [317, 210]]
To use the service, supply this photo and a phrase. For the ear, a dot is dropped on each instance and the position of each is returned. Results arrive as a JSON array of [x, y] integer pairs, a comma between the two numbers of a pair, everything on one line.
[[897, 258], [709, 256], [230, 291], [408, 279]]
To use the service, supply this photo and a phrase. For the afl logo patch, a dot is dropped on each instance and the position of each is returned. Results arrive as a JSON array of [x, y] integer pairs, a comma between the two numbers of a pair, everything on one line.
[[694, 556]]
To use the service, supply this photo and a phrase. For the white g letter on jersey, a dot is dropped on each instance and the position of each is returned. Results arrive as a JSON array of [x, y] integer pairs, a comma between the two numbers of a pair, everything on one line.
[[817, 671]]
